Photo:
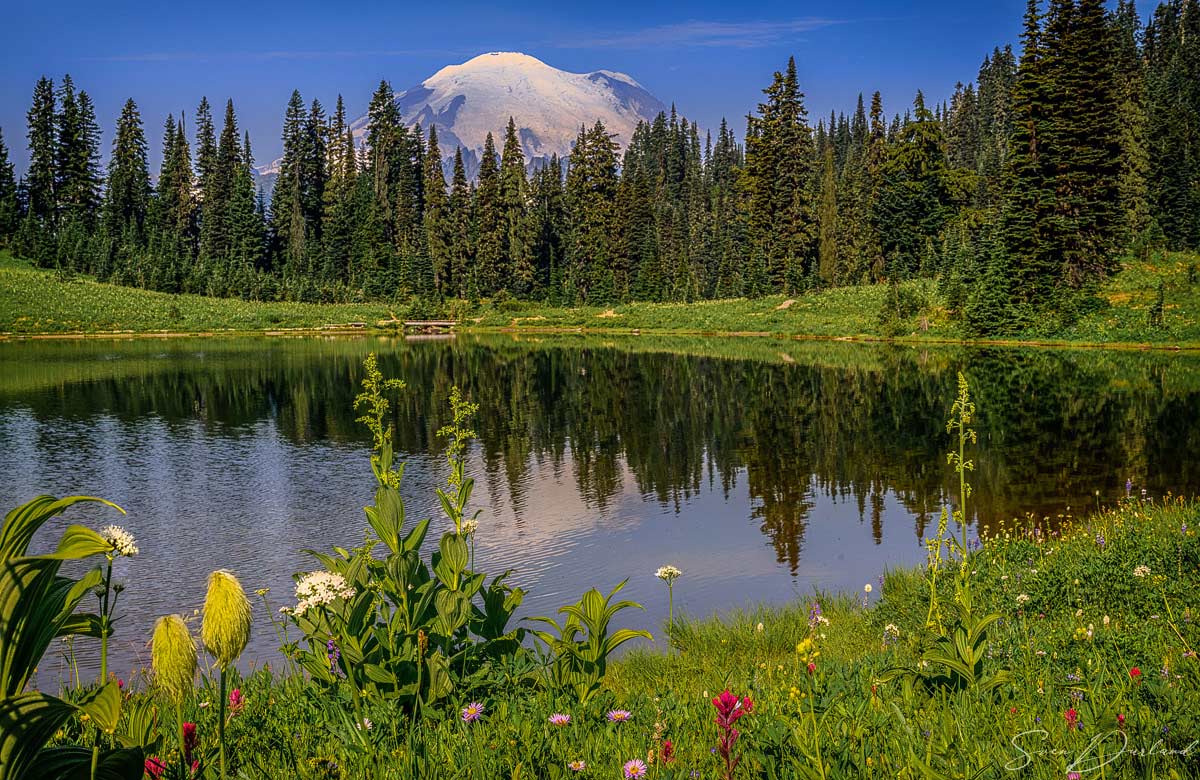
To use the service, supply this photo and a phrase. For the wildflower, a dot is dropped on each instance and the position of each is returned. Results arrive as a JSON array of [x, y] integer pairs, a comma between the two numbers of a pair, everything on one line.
[[1022, 599], [173, 657], [759, 628], [729, 709], [1120, 721], [190, 740], [867, 588], [635, 769], [1073, 776], [122, 541], [891, 633], [226, 626], [577, 765], [812, 667], [667, 754], [618, 716], [472, 712], [1135, 673], [155, 767], [1072, 718], [1141, 571], [332, 653], [470, 526], [236, 701], [560, 719], [814, 614], [667, 573], [366, 725], [1105, 621], [319, 588]]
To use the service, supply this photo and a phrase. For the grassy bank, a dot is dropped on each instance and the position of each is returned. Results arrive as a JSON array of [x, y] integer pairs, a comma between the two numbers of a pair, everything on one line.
[[1098, 653], [34, 301]]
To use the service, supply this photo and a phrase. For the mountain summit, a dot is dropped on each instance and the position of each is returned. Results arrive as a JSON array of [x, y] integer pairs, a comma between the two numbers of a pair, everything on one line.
[[466, 102]]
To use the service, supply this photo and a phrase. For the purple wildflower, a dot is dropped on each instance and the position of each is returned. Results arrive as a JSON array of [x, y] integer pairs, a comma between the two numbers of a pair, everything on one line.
[[635, 769], [472, 712], [814, 614], [559, 719], [618, 716]]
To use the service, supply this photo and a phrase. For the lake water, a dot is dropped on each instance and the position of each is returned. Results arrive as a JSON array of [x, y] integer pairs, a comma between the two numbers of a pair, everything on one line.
[[764, 468]]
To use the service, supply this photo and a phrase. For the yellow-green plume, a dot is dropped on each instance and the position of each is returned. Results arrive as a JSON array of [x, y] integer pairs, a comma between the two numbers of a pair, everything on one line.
[[173, 656], [226, 627]]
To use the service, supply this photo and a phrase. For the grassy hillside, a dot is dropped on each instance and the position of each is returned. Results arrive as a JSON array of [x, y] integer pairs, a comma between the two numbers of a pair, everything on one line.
[[34, 301]]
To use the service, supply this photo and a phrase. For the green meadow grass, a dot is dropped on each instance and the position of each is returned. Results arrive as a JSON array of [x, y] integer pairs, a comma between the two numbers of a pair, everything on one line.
[[38, 302]]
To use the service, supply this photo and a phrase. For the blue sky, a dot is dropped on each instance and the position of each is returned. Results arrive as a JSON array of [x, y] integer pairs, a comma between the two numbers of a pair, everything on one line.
[[712, 59]]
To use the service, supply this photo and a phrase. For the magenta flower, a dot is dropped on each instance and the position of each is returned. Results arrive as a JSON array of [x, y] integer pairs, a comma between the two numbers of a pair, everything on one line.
[[236, 701], [155, 767], [577, 765], [729, 709], [618, 716], [560, 719], [472, 712], [635, 769]]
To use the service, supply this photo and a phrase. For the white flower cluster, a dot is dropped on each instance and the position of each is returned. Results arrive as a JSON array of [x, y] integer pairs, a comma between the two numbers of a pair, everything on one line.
[[1142, 571], [318, 588], [1021, 599], [891, 630], [667, 573], [121, 540], [470, 526]]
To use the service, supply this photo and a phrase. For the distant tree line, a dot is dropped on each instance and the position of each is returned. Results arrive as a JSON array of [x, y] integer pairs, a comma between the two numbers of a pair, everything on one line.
[[1017, 196]]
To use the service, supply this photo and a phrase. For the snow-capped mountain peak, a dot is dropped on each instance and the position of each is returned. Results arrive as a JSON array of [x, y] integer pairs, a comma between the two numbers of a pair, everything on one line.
[[467, 101]]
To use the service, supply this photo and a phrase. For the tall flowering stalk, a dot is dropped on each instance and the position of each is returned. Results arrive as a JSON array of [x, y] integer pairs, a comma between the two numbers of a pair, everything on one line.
[[122, 546], [173, 658], [961, 414], [225, 631], [669, 574], [730, 709]]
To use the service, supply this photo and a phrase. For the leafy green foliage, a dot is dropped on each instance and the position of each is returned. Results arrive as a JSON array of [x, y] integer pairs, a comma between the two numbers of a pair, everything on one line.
[[36, 606], [581, 645]]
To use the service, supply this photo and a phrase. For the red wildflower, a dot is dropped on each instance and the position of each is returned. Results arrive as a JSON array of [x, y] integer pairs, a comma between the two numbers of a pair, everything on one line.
[[1135, 673], [1120, 721], [668, 752], [236, 702], [1072, 717], [729, 709], [190, 740], [155, 767], [812, 667]]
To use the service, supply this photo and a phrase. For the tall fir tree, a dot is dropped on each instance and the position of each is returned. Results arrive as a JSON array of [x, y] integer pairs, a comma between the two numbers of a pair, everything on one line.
[[517, 262], [9, 208], [127, 194], [438, 237], [42, 176]]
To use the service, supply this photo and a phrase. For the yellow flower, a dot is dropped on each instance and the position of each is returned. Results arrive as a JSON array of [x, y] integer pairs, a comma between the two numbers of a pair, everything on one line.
[[226, 627], [173, 657]]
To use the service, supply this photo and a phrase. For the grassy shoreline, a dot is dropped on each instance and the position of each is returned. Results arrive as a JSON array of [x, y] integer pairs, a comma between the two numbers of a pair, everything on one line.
[[1099, 655], [36, 303]]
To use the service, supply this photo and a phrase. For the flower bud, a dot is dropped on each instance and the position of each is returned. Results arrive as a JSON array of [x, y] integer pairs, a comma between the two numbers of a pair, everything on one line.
[[226, 626]]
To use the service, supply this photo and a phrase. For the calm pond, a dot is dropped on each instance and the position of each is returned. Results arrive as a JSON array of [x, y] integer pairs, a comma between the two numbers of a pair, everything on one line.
[[765, 469]]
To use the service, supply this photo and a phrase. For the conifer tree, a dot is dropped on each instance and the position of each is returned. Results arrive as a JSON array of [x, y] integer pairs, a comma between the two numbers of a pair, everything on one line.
[[127, 194], [517, 263], [460, 219], [438, 238], [828, 220], [489, 225], [9, 209], [43, 170]]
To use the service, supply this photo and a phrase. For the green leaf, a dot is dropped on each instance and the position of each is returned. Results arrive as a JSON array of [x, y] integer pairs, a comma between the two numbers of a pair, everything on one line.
[[79, 542]]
